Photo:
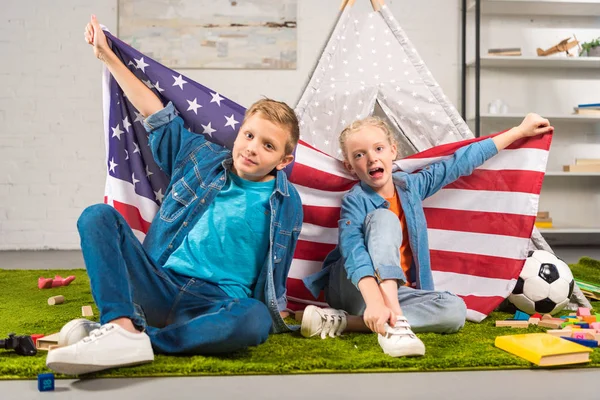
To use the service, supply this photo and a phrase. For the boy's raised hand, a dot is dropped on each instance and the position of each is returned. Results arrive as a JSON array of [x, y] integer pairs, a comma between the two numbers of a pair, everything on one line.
[[533, 125], [95, 36]]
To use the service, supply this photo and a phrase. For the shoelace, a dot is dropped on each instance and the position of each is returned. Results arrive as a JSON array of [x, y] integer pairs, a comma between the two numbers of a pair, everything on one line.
[[335, 323], [96, 333], [402, 328]]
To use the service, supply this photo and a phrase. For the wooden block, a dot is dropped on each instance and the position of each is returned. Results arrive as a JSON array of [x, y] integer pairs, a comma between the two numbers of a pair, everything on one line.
[[595, 325], [534, 321], [582, 168], [543, 214], [298, 316], [583, 312], [589, 319], [572, 314], [549, 324], [56, 300], [587, 161], [558, 332], [512, 324], [87, 311], [45, 342], [546, 316]]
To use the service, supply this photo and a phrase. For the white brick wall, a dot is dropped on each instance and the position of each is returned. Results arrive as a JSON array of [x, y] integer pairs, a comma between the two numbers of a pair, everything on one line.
[[51, 140]]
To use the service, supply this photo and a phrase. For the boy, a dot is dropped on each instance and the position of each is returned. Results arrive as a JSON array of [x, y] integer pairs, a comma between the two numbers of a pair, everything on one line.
[[210, 276], [380, 268]]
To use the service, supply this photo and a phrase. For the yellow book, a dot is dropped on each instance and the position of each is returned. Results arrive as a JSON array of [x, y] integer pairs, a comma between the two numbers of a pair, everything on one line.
[[543, 224], [543, 349]]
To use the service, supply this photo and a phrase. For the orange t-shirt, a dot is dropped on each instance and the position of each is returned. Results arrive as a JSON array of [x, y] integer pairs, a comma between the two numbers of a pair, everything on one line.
[[405, 251]]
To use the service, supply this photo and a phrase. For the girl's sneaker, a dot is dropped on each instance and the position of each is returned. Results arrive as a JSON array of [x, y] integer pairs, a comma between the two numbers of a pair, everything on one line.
[[322, 321], [400, 341]]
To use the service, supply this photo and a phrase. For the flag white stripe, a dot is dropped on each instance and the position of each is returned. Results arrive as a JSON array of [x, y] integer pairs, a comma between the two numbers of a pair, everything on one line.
[[314, 159], [471, 285], [316, 197], [485, 201], [475, 316], [302, 268], [123, 192], [316, 233], [478, 243]]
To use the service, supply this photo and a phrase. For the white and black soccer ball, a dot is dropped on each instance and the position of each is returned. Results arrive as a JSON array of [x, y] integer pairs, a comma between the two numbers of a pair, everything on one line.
[[544, 286]]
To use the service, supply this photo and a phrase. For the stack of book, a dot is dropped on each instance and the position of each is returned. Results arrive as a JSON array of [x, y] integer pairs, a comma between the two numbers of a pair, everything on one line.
[[543, 220], [588, 109], [584, 165], [511, 51]]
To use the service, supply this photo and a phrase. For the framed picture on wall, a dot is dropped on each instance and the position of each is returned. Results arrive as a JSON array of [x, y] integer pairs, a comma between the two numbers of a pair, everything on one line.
[[221, 34]]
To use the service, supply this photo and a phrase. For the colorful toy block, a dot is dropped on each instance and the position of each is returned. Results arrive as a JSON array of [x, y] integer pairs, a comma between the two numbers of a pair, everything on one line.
[[521, 316], [583, 342], [36, 336], [583, 311], [595, 325], [45, 382], [511, 323]]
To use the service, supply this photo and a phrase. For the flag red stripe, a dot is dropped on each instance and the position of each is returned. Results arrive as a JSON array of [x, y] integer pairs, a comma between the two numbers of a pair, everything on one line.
[[501, 181], [327, 217], [296, 288], [310, 177], [516, 225], [132, 216], [475, 264], [312, 251], [535, 142], [484, 305]]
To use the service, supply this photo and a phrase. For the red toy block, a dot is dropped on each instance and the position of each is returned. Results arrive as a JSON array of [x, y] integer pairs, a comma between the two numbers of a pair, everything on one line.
[[36, 336], [47, 283]]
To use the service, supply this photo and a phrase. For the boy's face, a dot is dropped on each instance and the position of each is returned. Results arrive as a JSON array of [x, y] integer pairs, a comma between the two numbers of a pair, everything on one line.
[[369, 157], [259, 148]]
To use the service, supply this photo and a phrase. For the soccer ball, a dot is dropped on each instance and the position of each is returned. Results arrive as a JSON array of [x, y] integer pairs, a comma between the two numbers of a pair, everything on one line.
[[544, 286]]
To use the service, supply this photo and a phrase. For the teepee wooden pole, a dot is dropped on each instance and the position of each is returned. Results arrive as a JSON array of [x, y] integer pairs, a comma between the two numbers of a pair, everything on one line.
[[345, 3], [377, 4]]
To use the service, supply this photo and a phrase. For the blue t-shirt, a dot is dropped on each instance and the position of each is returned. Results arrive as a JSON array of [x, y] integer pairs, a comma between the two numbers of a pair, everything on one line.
[[229, 243]]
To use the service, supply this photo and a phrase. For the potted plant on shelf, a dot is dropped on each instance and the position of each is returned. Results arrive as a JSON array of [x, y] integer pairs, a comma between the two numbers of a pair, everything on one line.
[[591, 48]]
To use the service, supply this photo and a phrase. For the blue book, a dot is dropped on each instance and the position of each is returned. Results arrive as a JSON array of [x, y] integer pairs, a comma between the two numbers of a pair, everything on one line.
[[590, 105]]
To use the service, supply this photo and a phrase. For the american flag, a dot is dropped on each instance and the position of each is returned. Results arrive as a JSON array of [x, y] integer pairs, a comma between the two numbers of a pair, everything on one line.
[[479, 226]]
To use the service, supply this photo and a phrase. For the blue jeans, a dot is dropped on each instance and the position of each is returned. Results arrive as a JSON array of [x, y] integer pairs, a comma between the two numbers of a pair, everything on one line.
[[181, 315], [425, 310]]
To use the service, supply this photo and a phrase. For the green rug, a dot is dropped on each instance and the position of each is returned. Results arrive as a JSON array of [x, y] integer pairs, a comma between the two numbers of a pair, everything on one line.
[[24, 310]]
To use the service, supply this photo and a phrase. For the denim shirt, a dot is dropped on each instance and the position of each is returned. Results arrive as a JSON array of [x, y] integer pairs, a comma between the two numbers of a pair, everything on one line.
[[412, 189], [197, 169]]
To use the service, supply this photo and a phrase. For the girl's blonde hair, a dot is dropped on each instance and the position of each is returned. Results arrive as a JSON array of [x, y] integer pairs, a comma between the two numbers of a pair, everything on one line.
[[361, 123]]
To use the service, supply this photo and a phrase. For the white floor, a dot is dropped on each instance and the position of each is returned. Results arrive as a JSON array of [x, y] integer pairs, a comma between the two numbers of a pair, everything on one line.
[[467, 385]]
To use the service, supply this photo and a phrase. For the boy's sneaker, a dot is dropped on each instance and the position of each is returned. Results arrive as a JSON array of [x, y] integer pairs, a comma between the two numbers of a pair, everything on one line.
[[400, 341], [76, 330], [108, 347], [323, 321]]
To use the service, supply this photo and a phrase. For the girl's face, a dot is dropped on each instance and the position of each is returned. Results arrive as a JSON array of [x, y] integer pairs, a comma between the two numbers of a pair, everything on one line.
[[370, 156]]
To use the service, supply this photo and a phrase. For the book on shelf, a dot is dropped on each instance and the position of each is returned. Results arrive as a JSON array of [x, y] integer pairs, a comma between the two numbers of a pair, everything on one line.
[[582, 168], [538, 219], [587, 161], [543, 225], [589, 105], [587, 111], [543, 214], [510, 51], [543, 349]]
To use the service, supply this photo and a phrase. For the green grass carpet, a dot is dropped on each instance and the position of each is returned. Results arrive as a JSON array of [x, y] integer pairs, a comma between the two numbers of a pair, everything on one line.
[[24, 310]]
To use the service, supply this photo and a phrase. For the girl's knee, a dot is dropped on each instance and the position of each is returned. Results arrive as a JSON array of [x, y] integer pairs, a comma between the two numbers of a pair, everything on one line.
[[454, 313]]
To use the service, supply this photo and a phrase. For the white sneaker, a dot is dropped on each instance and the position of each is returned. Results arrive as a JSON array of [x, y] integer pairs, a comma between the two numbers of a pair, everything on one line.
[[400, 341], [323, 321], [76, 330], [108, 347]]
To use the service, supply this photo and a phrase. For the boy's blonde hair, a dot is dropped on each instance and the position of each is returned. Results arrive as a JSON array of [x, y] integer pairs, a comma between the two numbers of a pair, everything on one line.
[[280, 114], [361, 123]]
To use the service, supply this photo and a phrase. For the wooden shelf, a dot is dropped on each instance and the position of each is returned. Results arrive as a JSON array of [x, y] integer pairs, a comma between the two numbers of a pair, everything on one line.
[[553, 61], [578, 8], [552, 117], [571, 236], [579, 174]]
